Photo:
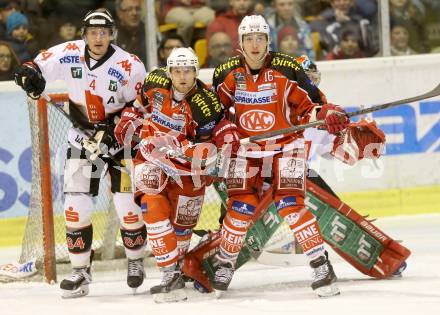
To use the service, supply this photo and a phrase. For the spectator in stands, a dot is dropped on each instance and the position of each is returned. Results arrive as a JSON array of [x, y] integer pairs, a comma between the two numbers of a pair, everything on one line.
[[8, 62], [432, 24], [405, 12], [399, 37], [287, 12], [229, 21], [219, 50], [18, 36], [131, 30], [6, 8], [288, 41], [348, 48], [166, 46], [185, 13], [67, 31], [341, 16]]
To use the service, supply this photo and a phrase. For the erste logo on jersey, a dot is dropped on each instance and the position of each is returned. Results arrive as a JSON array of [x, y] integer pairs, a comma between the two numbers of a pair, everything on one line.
[[70, 59], [118, 75], [260, 97], [257, 120]]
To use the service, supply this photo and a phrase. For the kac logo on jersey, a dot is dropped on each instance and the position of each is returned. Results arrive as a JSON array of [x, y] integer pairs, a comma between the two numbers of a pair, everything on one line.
[[76, 72], [113, 86], [257, 120]]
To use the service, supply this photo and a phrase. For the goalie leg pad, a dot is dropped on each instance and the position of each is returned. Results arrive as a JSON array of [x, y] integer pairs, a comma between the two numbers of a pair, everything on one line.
[[79, 244]]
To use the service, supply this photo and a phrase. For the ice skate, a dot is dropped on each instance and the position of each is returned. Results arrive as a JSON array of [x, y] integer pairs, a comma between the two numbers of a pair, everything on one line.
[[77, 284], [171, 289], [135, 273], [222, 277], [324, 277]]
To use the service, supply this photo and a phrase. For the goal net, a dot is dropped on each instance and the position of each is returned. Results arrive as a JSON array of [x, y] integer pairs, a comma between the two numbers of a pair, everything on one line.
[[44, 238]]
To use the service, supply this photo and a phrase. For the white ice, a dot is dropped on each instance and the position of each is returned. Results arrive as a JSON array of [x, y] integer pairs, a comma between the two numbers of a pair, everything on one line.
[[262, 289]]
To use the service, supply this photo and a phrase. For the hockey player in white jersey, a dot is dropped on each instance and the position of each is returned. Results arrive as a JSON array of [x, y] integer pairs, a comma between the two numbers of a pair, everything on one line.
[[102, 80]]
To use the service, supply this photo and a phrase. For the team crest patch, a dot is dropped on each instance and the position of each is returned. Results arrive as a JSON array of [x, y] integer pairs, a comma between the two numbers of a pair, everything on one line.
[[148, 178], [113, 86], [76, 72], [292, 171], [240, 80], [236, 174], [188, 210], [158, 99]]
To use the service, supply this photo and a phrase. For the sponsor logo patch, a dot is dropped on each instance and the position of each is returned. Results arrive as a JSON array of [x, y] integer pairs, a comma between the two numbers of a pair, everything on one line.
[[113, 86], [286, 202], [261, 97], [76, 72], [243, 208]]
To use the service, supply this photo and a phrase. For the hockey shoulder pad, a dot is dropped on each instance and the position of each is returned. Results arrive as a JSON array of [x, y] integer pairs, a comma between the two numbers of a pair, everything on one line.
[[354, 238]]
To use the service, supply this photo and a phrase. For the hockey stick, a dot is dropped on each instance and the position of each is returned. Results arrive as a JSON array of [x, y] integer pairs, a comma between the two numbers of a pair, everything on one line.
[[432, 93], [83, 130]]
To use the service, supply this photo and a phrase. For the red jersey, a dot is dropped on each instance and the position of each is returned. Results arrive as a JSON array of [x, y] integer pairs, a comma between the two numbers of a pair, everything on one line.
[[279, 96], [190, 120]]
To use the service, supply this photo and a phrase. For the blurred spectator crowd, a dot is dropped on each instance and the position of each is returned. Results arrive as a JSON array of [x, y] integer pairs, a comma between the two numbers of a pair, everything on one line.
[[321, 29]]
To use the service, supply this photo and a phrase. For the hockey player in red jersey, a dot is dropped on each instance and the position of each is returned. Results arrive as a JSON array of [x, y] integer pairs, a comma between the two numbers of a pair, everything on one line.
[[102, 80], [183, 116], [270, 91]]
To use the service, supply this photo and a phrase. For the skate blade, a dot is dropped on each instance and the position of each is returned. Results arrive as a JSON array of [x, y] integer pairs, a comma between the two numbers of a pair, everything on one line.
[[72, 294], [328, 291], [219, 293], [173, 296]]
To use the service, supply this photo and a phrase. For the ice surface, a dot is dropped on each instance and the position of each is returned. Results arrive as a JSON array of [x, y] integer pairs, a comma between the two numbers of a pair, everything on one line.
[[262, 289]]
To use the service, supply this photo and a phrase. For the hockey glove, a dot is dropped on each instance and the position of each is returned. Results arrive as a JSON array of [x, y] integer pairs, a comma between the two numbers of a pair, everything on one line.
[[29, 77], [225, 132], [130, 124], [360, 140], [335, 118], [102, 141]]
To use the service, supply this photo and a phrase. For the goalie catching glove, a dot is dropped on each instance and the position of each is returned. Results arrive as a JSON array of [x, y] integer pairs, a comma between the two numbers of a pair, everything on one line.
[[28, 76], [334, 116], [362, 139]]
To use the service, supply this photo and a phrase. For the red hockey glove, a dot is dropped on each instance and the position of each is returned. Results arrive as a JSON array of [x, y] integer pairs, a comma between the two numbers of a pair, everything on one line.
[[130, 123], [360, 140], [335, 118], [226, 132]]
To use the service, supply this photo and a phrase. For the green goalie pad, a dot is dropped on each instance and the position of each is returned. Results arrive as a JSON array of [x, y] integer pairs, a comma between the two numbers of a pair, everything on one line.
[[357, 240]]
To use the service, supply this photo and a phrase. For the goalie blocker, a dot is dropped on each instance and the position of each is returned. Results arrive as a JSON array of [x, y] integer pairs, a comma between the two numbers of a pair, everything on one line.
[[354, 238]]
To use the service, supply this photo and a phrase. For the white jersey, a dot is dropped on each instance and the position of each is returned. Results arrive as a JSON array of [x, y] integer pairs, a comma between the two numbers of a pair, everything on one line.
[[98, 88]]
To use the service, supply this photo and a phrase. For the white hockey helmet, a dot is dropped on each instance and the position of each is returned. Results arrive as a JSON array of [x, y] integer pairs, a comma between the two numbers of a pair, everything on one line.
[[99, 18], [183, 57], [253, 24]]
